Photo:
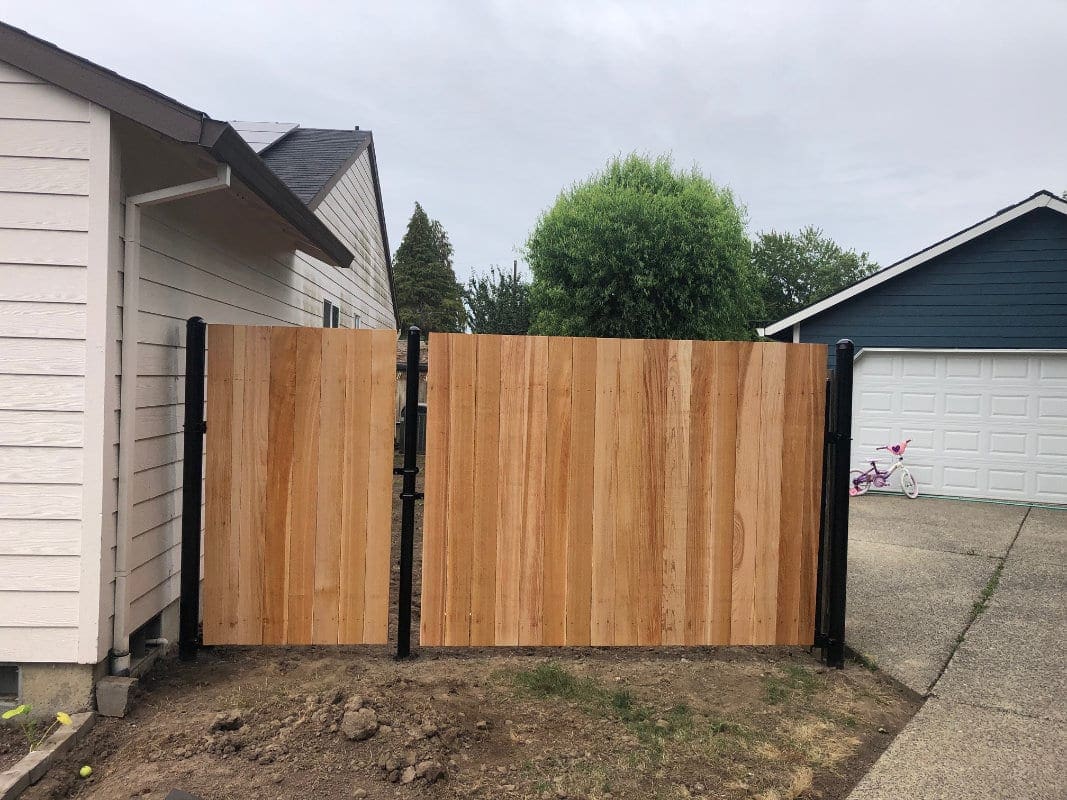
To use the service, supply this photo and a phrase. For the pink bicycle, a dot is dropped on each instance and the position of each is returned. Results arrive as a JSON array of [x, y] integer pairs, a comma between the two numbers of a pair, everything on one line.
[[861, 481]]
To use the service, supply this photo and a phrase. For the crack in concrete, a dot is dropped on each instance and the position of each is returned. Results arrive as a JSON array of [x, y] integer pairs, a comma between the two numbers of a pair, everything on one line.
[[978, 611]]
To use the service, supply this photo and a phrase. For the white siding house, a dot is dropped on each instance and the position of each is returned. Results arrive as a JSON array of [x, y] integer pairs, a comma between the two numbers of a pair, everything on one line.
[[252, 251]]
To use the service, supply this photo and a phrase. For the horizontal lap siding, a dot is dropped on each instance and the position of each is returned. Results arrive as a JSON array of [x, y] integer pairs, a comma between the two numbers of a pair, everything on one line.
[[1006, 289], [44, 241], [350, 210]]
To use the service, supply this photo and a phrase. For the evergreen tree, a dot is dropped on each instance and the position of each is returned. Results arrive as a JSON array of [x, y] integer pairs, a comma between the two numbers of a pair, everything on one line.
[[498, 302], [427, 292]]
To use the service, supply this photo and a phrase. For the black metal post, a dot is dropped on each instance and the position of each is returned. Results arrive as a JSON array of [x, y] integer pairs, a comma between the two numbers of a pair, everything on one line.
[[824, 516], [192, 489], [408, 496], [835, 649]]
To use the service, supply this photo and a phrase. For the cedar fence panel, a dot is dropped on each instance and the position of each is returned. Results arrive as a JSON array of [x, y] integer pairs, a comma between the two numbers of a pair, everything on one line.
[[298, 483], [621, 492]]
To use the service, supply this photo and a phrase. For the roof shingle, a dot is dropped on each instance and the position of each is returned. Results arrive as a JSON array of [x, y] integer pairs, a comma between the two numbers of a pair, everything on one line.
[[307, 159]]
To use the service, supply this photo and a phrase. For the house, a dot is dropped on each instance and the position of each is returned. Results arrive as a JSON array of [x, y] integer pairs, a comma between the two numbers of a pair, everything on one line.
[[962, 347], [122, 213]]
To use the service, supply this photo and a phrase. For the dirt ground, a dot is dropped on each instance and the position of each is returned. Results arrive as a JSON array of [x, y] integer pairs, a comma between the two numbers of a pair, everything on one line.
[[12, 745], [601, 723]]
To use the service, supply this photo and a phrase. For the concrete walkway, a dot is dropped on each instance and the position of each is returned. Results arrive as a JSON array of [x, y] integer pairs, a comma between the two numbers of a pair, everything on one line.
[[995, 723]]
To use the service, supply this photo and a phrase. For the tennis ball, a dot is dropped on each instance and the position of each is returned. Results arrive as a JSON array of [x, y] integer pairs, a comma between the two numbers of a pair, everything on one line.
[[85, 771]]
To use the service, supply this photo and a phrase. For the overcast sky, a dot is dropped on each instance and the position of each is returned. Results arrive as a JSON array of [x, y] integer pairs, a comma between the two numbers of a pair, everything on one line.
[[888, 124]]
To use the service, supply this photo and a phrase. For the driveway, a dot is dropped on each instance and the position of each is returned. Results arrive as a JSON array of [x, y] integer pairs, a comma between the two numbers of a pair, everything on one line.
[[995, 675]]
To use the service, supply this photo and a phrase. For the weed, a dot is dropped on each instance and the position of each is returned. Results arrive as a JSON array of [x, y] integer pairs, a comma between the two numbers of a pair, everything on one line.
[[796, 682], [982, 603], [864, 661], [34, 737], [551, 680]]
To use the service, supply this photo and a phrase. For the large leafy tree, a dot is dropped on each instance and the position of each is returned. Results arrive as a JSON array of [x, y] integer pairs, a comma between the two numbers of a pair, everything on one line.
[[641, 250], [498, 303], [427, 292], [798, 269]]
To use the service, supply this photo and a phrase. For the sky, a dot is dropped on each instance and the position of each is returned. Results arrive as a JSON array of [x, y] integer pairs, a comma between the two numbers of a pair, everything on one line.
[[889, 125]]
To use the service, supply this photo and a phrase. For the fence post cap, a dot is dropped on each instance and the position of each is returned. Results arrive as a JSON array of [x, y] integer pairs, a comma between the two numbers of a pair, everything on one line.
[[414, 329], [843, 344]]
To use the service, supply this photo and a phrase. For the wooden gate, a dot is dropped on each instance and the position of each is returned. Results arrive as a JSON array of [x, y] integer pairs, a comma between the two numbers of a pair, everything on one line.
[[621, 492], [298, 485]]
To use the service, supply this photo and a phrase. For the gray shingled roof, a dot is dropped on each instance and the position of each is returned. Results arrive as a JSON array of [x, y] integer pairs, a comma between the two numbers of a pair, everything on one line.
[[307, 159]]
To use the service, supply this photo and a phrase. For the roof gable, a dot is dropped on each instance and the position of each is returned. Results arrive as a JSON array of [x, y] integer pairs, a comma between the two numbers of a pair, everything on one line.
[[311, 160], [1041, 199]]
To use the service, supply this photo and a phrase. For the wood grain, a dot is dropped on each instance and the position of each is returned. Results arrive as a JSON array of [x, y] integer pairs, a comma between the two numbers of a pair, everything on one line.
[[463, 355], [435, 518], [298, 485], [580, 491], [747, 492], [219, 590], [382, 422], [605, 492], [486, 488], [557, 482]]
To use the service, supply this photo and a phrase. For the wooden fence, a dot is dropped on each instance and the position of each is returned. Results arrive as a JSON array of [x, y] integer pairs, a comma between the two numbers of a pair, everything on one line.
[[298, 485], [621, 492]]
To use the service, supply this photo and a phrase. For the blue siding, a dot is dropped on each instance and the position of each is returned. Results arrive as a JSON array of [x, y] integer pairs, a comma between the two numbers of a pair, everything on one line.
[[1006, 289]]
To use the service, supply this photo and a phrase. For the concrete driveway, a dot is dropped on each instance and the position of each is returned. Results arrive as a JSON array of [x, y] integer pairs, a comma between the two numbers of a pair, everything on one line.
[[995, 722]]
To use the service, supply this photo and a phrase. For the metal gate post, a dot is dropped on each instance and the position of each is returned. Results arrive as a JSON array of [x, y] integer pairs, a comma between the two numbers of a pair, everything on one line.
[[408, 496], [192, 489], [838, 561], [824, 515]]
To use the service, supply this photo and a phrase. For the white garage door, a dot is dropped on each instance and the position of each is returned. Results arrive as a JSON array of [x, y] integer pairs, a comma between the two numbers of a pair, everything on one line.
[[991, 425]]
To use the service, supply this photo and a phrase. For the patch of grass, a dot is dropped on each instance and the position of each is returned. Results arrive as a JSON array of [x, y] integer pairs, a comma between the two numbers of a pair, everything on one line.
[[982, 603], [553, 681], [864, 661], [794, 682]]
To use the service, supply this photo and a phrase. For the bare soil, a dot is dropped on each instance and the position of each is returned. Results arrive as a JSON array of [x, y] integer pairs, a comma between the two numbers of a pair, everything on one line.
[[12, 745], [594, 723]]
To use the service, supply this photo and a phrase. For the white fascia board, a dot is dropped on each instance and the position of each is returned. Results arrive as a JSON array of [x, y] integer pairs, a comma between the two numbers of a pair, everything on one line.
[[1038, 201], [1005, 351]]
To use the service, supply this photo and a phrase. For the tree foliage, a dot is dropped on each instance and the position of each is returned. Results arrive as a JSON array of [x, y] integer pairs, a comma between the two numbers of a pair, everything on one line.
[[427, 292], [498, 303], [796, 270], [641, 250]]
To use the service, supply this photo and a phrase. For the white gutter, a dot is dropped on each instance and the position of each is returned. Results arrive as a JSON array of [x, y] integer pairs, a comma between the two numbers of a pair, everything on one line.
[[131, 303]]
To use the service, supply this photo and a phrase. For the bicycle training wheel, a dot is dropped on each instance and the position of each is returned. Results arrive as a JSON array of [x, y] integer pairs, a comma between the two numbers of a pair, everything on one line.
[[908, 484], [858, 482]]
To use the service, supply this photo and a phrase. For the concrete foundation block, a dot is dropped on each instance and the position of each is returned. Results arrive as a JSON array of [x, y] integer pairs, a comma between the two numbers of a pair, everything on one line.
[[113, 695]]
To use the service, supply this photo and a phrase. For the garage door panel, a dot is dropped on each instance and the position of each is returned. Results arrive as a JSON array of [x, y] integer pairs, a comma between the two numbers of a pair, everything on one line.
[[1052, 486], [918, 403], [1052, 408], [982, 424], [1054, 369], [961, 367]]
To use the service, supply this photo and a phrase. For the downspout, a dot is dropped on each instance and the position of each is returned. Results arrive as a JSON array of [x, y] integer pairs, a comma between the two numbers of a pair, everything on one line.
[[131, 303]]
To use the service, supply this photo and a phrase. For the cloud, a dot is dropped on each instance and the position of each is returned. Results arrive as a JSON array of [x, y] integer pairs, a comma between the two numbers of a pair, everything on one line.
[[888, 124]]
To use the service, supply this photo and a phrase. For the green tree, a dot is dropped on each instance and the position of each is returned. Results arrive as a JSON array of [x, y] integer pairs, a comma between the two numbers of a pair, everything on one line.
[[498, 303], [641, 250], [798, 269], [427, 292]]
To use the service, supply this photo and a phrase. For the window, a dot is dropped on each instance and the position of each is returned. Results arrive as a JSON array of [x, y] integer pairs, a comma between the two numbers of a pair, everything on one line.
[[9, 683], [331, 315]]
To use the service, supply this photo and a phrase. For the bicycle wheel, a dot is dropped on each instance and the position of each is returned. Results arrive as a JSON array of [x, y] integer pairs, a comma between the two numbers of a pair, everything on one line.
[[858, 482], [908, 484]]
